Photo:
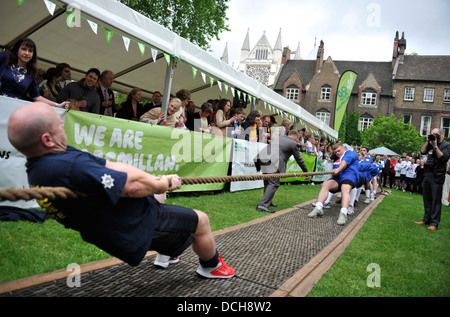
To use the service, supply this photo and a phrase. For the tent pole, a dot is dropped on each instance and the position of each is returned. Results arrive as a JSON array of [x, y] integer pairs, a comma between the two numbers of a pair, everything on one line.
[[167, 88]]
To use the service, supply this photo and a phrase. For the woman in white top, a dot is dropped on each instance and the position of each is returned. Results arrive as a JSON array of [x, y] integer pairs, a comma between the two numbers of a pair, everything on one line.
[[222, 118]]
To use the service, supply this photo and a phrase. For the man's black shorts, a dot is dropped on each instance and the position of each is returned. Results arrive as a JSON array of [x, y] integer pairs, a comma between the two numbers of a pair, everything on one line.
[[173, 233], [344, 182]]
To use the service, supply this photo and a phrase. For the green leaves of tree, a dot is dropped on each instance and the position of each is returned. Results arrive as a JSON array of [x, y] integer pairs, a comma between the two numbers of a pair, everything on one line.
[[198, 21]]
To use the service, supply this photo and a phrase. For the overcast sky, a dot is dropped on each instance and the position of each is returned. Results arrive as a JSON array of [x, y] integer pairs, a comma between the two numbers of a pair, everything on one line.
[[362, 30]]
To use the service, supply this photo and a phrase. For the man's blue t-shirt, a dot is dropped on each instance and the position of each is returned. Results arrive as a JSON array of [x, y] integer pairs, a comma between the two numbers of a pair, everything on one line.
[[351, 172], [122, 227]]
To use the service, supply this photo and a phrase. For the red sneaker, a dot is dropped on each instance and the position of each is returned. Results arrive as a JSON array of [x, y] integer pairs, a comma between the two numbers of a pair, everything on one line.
[[220, 271]]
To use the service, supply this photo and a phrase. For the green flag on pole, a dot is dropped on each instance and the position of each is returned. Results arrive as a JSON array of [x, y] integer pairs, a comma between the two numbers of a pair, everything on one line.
[[345, 88]]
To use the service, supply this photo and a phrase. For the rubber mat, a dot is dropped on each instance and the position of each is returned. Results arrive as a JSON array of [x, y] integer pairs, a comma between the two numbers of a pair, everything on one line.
[[264, 255]]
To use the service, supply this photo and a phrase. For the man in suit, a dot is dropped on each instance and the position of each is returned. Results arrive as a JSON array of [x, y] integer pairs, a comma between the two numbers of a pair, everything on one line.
[[385, 170], [279, 152], [107, 104]]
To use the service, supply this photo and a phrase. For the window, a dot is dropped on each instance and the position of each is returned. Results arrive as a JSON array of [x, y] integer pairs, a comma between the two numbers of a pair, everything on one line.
[[368, 98], [425, 125], [364, 123], [446, 95], [261, 54], [428, 95], [407, 118], [409, 94], [445, 126], [292, 93], [325, 92], [324, 116]]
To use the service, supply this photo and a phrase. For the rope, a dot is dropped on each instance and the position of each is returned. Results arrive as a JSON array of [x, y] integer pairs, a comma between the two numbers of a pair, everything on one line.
[[54, 193]]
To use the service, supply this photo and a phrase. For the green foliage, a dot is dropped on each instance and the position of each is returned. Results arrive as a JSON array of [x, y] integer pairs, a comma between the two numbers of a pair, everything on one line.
[[198, 21], [353, 135], [395, 135]]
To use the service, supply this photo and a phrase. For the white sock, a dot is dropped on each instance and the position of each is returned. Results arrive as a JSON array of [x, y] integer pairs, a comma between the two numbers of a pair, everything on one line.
[[352, 196], [319, 205], [344, 211], [330, 195]]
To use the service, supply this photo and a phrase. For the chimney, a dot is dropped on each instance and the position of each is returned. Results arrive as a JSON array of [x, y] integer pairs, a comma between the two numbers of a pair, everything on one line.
[[286, 55], [395, 52], [402, 48], [319, 60]]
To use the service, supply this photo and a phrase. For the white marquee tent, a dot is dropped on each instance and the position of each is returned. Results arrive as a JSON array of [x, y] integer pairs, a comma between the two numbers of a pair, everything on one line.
[[108, 35]]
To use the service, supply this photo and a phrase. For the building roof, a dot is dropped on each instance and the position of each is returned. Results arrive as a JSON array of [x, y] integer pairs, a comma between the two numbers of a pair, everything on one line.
[[382, 72], [424, 68]]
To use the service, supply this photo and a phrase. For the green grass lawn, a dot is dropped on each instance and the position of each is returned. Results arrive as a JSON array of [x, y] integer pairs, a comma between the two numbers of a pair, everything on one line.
[[413, 261]]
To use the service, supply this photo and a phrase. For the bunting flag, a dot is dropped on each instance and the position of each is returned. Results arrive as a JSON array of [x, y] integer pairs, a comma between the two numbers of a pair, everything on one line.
[[155, 55], [226, 88], [345, 87], [167, 57], [94, 26], [19, 3], [220, 85], [142, 49], [232, 91], [204, 77], [109, 35], [126, 42], [50, 6], [211, 81], [194, 72]]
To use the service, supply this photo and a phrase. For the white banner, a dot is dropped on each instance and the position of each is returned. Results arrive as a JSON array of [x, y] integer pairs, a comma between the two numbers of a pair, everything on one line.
[[243, 164], [12, 162]]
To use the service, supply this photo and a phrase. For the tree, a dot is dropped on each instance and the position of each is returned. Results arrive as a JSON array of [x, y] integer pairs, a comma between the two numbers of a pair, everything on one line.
[[198, 21], [395, 135], [352, 134]]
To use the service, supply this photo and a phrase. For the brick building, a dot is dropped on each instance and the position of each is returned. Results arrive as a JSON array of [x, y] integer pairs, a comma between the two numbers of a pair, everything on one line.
[[417, 87]]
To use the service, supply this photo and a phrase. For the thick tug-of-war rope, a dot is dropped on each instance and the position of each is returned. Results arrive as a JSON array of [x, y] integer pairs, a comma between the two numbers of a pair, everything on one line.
[[54, 193]]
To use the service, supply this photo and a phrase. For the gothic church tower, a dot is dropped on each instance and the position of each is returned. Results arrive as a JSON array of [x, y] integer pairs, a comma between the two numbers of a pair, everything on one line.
[[262, 62]]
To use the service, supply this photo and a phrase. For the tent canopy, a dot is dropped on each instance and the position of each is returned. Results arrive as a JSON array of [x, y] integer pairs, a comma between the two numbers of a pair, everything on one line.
[[382, 151], [98, 38]]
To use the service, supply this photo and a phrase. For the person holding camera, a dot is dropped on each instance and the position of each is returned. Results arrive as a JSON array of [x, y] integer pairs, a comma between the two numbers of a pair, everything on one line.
[[438, 153]]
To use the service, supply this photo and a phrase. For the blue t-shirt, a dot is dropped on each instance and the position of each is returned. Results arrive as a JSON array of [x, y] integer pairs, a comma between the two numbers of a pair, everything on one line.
[[16, 82], [122, 227], [351, 172]]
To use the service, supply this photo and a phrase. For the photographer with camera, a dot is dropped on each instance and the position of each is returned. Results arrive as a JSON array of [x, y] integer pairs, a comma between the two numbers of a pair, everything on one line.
[[438, 153]]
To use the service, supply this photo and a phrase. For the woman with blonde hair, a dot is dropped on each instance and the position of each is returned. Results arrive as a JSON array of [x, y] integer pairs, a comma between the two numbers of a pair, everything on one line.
[[156, 116]]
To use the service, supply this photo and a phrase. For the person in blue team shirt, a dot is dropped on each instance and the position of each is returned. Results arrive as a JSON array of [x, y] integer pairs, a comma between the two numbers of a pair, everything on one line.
[[120, 214], [345, 177]]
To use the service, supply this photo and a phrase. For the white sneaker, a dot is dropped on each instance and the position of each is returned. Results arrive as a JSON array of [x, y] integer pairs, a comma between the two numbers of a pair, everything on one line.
[[350, 210], [326, 206], [372, 198], [163, 261], [342, 220], [315, 213], [367, 201]]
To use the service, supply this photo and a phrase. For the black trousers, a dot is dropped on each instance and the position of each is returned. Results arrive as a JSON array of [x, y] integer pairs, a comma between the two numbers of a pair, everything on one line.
[[432, 199]]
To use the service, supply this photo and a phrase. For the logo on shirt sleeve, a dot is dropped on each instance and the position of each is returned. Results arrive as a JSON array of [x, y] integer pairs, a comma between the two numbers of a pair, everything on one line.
[[107, 181]]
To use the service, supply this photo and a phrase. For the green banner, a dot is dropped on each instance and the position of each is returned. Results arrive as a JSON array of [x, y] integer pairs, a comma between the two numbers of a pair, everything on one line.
[[345, 88], [293, 167], [155, 149]]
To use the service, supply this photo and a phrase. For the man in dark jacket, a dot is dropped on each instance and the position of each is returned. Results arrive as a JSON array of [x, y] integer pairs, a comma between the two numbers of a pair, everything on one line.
[[279, 151], [82, 94], [438, 151]]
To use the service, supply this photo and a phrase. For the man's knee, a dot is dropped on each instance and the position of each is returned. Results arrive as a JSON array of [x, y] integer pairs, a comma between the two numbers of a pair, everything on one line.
[[203, 220]]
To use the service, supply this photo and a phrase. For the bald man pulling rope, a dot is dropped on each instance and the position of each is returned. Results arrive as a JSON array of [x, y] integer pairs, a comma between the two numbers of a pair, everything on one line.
[[120, 215]]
